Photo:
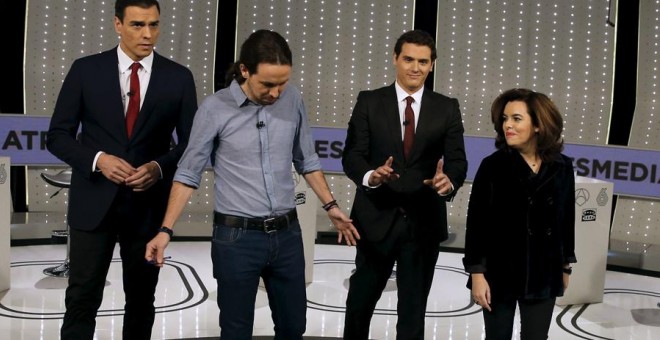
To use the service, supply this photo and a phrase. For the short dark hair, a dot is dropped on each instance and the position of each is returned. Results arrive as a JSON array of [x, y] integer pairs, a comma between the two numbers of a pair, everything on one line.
[[262, 46], [417, 37], [545, 116], [120, 6]]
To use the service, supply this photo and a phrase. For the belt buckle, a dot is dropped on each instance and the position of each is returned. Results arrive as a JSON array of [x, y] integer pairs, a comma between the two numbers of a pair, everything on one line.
[[269, 225]]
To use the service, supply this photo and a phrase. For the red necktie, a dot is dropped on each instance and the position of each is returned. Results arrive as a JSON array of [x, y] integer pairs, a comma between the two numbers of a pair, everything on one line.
[[409, 127], [133, 99]]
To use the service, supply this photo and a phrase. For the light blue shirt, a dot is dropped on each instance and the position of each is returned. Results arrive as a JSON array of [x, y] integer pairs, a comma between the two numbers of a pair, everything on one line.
[[252, 165]]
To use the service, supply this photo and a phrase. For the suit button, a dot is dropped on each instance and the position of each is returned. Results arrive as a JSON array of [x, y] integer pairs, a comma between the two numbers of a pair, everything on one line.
[[548, 231]]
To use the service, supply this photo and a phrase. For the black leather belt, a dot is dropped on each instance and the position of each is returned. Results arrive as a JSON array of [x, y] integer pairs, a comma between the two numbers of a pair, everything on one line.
[[267, 225]]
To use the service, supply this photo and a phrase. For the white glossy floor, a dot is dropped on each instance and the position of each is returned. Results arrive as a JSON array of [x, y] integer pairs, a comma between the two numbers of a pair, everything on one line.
[[33, 307]]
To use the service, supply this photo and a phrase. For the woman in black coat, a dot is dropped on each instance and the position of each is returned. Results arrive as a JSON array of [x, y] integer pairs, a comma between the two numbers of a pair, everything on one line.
[[520, 235]]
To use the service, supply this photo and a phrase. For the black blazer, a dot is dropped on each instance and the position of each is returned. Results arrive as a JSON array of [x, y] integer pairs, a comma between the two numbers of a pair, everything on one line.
[[521, 228], [374, 134], [91, 98]]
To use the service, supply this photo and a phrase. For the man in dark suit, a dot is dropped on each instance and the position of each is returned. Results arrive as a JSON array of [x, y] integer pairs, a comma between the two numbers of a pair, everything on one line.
[[122, 170], [405, 165]]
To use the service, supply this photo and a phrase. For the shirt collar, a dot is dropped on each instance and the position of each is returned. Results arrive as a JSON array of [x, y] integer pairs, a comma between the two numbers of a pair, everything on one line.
[[238, 94], [401, 94], [125, 61]]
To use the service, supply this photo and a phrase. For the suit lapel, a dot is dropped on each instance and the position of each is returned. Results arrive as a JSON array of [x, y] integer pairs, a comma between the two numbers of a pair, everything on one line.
[[424, 123], [393, 121], [108, 73], [149, 97]]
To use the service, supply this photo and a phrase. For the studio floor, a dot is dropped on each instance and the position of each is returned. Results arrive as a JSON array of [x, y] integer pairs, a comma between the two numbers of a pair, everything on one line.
[[186, 309]]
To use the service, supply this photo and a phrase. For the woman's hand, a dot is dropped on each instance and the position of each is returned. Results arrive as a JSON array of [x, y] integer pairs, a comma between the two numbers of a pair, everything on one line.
[[481, 291]]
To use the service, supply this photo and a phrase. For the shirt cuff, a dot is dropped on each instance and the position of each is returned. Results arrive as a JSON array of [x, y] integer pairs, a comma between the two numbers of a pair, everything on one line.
[[449, 193], [365, 180], [160, 170], [96, 159]]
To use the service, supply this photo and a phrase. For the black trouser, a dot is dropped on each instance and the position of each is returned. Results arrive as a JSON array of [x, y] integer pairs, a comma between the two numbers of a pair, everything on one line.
[[415, 259], [535, 318], [90, 255]]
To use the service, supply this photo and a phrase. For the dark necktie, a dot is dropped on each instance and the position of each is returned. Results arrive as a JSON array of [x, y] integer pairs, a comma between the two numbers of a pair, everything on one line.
[[133, 99], [409, 127]]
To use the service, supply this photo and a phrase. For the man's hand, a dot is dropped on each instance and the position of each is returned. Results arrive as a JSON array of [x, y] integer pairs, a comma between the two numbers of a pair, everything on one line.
[[145, 176], [155, 252], [114, 168], [383, 174], [345, 228], [440, 182]]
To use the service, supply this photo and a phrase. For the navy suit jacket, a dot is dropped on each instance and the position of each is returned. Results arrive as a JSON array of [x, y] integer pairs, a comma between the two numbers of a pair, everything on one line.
[[374, 134], [91, 98]]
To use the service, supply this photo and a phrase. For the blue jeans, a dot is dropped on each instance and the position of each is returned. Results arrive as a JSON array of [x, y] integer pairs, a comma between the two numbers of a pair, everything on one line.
[[240, 257]]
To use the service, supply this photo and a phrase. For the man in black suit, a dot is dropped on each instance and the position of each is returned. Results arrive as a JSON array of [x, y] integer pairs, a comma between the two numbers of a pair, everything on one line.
[[403, 180], [122, 170]]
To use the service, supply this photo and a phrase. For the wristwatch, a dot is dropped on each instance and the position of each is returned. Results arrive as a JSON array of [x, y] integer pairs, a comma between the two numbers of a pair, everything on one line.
[[568, 270], [166, 230]]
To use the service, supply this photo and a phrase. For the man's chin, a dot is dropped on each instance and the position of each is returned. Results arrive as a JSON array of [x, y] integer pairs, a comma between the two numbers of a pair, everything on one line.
[[414, 85], [145, 51]]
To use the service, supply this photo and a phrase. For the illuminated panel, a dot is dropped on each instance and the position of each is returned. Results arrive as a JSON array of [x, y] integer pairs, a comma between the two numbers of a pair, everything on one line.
[[561, 48], [637, 221]]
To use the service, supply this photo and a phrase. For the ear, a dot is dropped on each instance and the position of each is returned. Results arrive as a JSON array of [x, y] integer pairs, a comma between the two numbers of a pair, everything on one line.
[[117, 24], [244, 71]]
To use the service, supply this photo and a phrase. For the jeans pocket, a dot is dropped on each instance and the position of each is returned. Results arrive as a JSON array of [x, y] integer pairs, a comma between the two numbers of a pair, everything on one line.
[[226, 235], [295, 229]]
